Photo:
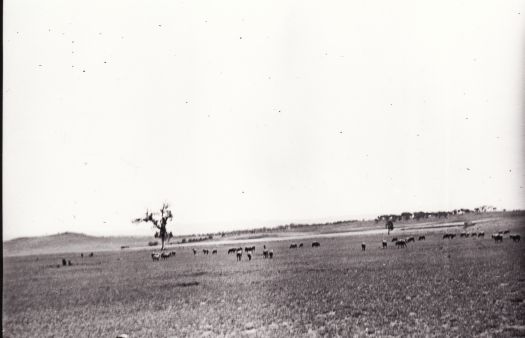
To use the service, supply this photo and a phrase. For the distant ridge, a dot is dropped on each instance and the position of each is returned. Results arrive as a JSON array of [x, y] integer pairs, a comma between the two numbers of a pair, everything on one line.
[[67, 242]]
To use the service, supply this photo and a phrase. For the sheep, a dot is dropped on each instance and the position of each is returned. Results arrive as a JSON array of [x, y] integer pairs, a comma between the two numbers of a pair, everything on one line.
[[410, 239], [384, 244], [316, 244], [91, 255], [249, 256], [497, 237], [165, 255], [301, 245], [293, 246], [249, 249], [214, 252], [155, 256], [401, 243], [265, 253], [194, 251], [205, 251], [515, 237], [394, 239], [64, 262], [81, 255], [363, 246], [271, 254], [173, 253], [481, 234], [474, 234], [239, 254], [421, 238], [232, 250], [506, 232]]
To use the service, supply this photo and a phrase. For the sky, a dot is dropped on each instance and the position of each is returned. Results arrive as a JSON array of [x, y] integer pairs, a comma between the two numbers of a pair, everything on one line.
[[243, 113]]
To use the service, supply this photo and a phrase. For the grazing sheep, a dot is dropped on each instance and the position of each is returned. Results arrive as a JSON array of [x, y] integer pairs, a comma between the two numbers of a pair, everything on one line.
[[410, 239], [155, 256], [515, 237], [449, 236], [421, 238], [293, 246], [232, 250], [474, 234], [401, 243], [265, 253], [394, 239], [271, 254], [194, 251], [497, 237], [363, 246], [64, 262], [249, 256], [249, 249], [239, 255], [81, 255], [205, 251], [463, 234], [91, 255], [384, 244], [506, 232], [481, 234], [173, 253], [165, 255], [316, 244], [301, 245], [214, 252]]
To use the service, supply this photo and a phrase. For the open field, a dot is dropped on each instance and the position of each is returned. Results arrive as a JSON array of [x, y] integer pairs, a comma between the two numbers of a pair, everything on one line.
[[459, 287]]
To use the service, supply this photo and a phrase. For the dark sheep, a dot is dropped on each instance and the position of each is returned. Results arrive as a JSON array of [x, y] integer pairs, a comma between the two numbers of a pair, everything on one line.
[[64, 262], [481, 234], [316, 244], [293, 246], [271, 254], [394, 239], [411, 239], [515, 237], [401, 243], [301, 245], [194, 252], [249, 256], [497, 237], [214, 252], [265, 253], [421, 238], [165, 255], [384, 244], [363, 246], [91, 255]]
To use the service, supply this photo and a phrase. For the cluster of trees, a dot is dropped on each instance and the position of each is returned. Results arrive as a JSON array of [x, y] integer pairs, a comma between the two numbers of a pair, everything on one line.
[[405, 216]]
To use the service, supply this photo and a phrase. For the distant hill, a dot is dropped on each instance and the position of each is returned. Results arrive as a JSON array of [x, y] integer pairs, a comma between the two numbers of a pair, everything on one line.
[[68, 242]]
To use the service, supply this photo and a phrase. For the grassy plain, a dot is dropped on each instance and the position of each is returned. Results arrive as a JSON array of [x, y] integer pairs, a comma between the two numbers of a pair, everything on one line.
[[460, 287]]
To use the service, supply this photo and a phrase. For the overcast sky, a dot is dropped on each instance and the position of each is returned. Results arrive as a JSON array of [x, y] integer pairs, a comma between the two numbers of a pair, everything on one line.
[[250, 113]]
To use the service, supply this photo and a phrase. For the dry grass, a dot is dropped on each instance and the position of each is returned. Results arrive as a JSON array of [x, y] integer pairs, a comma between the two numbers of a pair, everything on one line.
[[459, 287]]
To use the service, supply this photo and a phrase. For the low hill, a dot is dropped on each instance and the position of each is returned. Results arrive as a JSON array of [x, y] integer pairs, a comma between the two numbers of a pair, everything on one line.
[[68, 242]]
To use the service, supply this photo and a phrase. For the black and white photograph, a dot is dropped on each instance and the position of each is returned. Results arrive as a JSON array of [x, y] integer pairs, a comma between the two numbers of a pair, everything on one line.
[[269, 168]]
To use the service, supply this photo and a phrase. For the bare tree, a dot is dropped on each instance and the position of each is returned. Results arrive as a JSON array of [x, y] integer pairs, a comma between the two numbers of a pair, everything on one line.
[[158, 223]]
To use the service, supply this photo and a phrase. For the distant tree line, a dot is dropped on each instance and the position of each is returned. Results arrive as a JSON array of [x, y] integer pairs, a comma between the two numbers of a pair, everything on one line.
[[418, 215]]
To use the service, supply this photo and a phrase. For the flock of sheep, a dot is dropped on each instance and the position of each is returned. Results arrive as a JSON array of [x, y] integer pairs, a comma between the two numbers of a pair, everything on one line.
[[399, 243]]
